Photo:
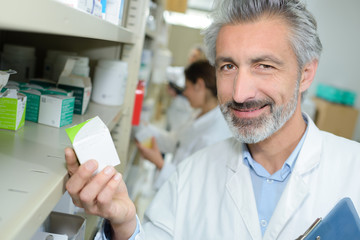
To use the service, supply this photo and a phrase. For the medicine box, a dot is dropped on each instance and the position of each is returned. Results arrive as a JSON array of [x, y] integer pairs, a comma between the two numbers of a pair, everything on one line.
[[92, 140], [335, 94], [12, 110], [80, 85], [32, 104], [57, 91], [56, 110], [45, 83], [336, 118]]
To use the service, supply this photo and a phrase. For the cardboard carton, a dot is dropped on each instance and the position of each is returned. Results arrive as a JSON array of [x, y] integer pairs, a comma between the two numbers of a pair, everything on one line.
[[32, 104], [176, 5], [335, 118], [56, 110], [92, 140], [80, 85], [12, 109]]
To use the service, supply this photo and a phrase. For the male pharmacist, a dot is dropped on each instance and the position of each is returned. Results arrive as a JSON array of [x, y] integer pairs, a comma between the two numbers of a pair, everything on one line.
[[279, 172]]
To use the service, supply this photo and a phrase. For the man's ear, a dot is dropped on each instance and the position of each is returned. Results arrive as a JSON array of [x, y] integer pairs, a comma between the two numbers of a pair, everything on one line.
[[308, 74]]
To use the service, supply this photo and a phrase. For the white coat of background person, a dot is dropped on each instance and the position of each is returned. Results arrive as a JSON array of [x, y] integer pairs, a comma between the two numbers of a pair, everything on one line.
[[266, 55], [206, 126], [179, 110]]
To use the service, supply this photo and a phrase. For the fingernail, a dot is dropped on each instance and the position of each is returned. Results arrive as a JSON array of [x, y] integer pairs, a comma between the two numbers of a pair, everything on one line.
[[108, 170], [90, 165], [117, 177]]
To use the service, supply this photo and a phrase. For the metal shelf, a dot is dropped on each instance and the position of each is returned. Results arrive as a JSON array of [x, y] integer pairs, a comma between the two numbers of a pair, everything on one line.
[[51, 17], [33, 171]]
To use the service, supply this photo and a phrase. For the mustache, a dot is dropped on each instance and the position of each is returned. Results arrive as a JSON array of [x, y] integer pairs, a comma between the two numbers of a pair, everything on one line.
[[251, 104]]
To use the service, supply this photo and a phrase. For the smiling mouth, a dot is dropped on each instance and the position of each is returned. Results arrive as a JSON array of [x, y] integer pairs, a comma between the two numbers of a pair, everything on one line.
[[250, 109]]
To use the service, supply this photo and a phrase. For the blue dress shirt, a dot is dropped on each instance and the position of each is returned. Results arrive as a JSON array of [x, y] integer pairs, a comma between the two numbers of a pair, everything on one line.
[[268, 188], [106, 230]]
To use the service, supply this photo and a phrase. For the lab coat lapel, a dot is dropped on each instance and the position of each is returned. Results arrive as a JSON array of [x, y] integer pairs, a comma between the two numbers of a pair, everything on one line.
[[296, 190], [240, 189], [293, 196]]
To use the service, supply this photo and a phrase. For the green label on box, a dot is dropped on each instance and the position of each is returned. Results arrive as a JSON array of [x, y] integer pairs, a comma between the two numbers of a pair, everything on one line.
[[32, 108], [10, 111], [78, 93], [71, 132], [67, 111]]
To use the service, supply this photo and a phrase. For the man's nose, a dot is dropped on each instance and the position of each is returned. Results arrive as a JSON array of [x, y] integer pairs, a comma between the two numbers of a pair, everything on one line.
[[244, 87]]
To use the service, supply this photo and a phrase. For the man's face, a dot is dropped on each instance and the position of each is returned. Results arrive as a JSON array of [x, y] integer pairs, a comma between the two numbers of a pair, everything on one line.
[[257, 78]]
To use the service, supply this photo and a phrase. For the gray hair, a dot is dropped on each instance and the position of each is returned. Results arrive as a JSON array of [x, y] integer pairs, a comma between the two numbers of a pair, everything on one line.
[[304, 37]]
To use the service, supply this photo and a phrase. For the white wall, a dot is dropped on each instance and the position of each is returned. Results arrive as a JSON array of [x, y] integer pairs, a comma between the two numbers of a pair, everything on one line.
[[339, 30]]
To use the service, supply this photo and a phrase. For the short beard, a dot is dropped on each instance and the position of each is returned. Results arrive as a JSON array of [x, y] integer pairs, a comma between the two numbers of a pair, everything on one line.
[[258, 129]]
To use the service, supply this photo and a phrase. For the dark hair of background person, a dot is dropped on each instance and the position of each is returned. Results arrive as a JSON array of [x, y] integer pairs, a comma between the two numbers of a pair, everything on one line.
[[202, 69], [176, 88]]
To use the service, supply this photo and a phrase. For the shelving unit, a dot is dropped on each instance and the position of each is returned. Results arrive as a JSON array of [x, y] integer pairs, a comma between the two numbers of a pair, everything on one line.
[[33, 173], [32, 163], [51, 17]]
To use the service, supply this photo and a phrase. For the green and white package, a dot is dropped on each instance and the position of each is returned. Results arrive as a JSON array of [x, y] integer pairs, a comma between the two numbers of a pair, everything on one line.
[[56, 110], [12, 109], [92, 140], [32, 104], [80, 85]]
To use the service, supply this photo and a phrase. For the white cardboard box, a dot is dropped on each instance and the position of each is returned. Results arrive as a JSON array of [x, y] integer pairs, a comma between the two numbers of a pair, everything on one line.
[[12, 109], [56, 110], [80, 85], [92, 140]]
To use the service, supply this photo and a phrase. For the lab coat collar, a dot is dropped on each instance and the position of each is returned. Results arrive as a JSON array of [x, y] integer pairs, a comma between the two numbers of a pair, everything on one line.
[[308, 157], [203, 121], [239, 185], [240, 188], [237, 151], [296, 191]]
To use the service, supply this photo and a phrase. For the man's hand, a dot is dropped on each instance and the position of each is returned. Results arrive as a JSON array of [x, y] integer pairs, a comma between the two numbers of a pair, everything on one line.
[[152, 154], [104, 194]]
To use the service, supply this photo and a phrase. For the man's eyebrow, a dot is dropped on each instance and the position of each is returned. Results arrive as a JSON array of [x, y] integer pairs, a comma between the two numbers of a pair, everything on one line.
[[223, 59], [267, 58]]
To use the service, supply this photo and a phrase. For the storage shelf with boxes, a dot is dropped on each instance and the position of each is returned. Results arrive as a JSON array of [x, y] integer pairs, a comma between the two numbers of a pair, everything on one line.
[[32, 166], [335, 112]]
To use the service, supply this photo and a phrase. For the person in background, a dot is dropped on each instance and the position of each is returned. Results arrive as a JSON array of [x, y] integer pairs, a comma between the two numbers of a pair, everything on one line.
[[179, 110], [196, 53], [279, 172], [207, 125]]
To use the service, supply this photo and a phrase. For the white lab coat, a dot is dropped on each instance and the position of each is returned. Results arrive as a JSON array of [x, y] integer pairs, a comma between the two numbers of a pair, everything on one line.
[[196, 134], [211, 195], [178, 113]]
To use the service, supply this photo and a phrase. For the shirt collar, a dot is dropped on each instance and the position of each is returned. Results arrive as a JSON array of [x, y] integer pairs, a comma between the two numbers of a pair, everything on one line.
[[287, 167]]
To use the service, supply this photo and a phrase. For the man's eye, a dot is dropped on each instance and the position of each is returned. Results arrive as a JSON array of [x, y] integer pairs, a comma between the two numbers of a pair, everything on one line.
[[227, 67], [264, 66]]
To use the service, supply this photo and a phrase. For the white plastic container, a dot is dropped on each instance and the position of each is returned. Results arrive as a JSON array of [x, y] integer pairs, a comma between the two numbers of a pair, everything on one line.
[[109, 82]]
